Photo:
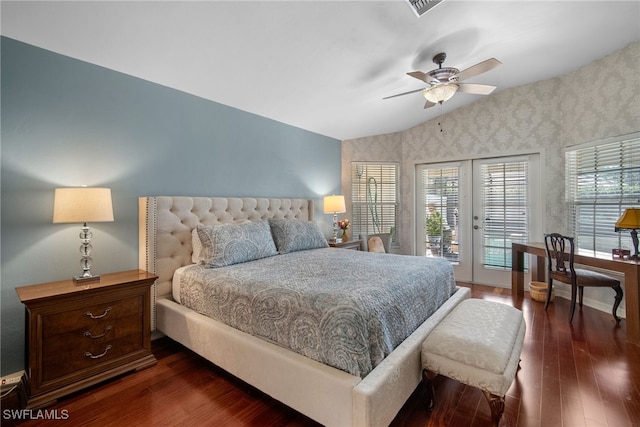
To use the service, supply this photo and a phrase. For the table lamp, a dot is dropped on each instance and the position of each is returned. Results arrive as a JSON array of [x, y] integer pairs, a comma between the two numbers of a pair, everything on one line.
[[335, 205], [83, 205], [630, 220]]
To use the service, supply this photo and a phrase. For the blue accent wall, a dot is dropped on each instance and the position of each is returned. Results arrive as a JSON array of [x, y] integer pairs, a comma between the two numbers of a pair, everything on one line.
[[68, 123]]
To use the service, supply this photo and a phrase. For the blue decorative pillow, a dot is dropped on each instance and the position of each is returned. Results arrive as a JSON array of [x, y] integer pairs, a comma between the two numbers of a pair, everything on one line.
[[228, 244], [291, 235]]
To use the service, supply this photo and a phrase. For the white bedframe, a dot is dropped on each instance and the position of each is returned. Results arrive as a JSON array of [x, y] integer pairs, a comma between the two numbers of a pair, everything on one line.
[[325, 394]]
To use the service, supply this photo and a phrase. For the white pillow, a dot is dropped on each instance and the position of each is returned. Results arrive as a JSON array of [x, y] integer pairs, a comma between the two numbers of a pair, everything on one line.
[[375, 245]]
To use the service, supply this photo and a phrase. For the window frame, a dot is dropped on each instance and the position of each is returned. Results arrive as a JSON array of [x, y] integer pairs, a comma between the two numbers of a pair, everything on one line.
[[602, 180], [387, 207]]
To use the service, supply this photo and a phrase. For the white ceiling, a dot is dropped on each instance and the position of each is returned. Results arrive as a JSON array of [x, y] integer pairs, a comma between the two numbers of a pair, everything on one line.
[[325, 66]]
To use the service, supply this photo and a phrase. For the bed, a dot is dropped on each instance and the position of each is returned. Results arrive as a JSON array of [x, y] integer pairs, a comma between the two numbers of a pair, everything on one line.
[[367, 393]]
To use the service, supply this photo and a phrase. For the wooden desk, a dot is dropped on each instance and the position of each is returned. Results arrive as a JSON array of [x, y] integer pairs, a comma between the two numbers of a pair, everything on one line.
[[630, 269]]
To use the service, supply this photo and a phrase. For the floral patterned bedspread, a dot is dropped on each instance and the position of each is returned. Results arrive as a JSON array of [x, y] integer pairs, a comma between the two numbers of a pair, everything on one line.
[[344, 308]]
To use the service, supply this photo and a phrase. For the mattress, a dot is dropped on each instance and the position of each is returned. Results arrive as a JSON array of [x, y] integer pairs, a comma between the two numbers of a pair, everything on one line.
[[346, 309]]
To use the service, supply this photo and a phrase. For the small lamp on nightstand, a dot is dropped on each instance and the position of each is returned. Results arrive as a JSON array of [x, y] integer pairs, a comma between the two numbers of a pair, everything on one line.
[[630, 220], [83, 205], [335, 205]]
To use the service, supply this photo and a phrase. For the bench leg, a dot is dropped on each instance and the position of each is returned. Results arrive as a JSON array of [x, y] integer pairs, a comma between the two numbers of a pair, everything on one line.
[[428, 377], [496, 403]]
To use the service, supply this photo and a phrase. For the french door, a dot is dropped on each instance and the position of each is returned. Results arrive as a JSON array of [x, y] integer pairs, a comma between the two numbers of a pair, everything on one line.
[[483, 206], [506, 209]]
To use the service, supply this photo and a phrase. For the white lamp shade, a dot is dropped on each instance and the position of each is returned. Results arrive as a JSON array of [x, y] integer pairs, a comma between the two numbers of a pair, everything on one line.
[[334, 204], [82, 204]]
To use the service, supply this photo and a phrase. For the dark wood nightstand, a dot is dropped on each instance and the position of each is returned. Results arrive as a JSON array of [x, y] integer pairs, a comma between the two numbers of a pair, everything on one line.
[[351, 244], [80, 334]]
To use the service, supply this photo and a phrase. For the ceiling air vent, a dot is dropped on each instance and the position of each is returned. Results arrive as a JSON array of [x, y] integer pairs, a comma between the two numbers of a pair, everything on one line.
[[420, 7]]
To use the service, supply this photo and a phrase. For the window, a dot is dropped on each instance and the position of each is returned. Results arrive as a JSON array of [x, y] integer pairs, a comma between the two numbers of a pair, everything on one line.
[[603, 178], [374, 198]]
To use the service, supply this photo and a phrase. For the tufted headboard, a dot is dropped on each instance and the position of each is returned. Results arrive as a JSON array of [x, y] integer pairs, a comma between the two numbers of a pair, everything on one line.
[[166, 223]]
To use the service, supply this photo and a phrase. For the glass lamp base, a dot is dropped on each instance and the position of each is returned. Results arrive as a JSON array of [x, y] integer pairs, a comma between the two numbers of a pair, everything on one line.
[[86, 260]]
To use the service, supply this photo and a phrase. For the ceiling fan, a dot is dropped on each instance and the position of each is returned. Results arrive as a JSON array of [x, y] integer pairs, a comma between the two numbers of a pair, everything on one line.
[[445, 82]]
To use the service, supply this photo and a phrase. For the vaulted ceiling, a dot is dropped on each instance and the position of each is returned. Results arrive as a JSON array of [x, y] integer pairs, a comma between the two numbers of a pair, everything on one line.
[[325, 66]]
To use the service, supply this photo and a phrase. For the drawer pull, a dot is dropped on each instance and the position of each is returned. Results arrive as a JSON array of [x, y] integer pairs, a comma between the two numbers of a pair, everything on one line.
[[89, 314], [98, 356], [88, 334]]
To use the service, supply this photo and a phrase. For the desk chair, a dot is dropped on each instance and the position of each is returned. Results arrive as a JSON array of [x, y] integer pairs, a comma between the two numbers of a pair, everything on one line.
[[556, 245]]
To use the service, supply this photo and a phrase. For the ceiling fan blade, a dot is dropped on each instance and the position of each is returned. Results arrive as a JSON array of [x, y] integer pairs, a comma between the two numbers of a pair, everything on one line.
[[475, 89], [428, 104], [404, 93], [419, 75], [477, 69]]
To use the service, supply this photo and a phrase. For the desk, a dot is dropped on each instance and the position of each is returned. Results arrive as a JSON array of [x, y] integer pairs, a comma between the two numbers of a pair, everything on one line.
[[630, 269]]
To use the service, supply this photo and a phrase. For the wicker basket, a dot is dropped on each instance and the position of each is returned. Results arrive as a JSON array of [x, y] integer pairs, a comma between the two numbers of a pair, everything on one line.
[[538, 291]]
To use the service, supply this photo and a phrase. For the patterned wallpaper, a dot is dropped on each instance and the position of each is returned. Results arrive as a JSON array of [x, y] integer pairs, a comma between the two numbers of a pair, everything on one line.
[[597, 101], [602, 99]]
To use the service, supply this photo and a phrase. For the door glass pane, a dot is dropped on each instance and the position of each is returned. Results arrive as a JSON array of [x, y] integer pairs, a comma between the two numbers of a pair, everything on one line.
[[504, 196], [440, 199]]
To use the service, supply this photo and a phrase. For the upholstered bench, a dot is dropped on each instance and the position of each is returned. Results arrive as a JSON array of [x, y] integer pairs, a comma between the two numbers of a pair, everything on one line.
[[477, 344]]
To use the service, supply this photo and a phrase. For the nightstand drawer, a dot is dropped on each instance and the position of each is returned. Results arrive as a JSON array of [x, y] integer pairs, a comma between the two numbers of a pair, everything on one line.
[[82, 340], [90, 317], [88, 355]]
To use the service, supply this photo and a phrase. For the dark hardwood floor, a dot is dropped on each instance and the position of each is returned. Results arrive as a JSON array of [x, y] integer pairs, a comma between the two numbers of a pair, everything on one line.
[[584, 374]]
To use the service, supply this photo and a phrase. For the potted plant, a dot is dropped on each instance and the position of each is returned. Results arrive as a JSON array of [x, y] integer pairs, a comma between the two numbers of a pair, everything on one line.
[[438, 232]]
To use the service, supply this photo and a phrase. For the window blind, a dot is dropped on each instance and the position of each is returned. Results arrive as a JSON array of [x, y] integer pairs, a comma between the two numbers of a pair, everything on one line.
[[602, 180], [374, 198], [505, 209]]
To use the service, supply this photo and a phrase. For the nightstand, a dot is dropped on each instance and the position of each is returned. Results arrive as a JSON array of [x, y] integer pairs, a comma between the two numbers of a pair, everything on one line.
[[78, 335], [351, 244]]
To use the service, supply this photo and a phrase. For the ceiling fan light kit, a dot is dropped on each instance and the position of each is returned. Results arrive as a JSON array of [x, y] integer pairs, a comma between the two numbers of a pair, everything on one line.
[[440, 93]]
